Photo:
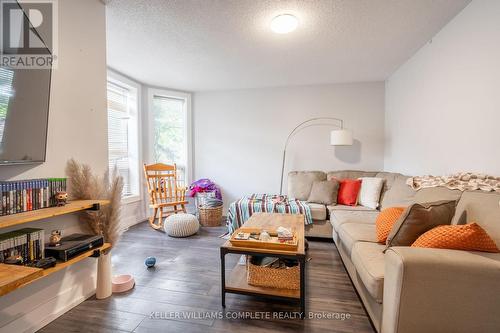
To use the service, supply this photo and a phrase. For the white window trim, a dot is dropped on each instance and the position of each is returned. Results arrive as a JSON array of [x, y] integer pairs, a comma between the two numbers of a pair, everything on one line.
[[188, 112], [119, 79]]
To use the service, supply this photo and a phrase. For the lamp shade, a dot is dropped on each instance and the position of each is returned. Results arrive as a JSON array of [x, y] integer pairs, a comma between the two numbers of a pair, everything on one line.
[[341, 137]]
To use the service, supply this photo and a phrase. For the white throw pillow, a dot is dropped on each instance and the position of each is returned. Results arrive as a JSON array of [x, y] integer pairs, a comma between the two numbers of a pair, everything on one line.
[[369, 194]]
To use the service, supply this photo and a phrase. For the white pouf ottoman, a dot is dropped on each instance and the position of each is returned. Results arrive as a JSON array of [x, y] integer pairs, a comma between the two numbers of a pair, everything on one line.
[[181, 225]]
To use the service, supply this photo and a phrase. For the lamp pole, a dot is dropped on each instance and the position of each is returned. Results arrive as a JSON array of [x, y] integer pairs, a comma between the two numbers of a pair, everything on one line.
[[327, 121]]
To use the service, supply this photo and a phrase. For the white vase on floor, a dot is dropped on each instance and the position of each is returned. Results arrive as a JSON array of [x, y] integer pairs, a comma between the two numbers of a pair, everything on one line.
[[104, 287]]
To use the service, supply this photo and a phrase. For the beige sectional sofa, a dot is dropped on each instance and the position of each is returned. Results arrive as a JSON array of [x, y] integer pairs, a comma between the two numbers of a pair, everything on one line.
[[410, 289]]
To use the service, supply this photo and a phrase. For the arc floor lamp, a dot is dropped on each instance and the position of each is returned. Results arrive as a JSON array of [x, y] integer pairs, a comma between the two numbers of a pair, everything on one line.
[[338, 137]]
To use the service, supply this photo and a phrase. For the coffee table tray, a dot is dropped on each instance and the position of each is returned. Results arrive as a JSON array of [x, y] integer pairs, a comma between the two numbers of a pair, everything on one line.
[[272, 244]]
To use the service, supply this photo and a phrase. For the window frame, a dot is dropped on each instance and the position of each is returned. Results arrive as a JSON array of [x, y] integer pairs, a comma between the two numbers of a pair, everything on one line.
[[152, 92], [134, 136]]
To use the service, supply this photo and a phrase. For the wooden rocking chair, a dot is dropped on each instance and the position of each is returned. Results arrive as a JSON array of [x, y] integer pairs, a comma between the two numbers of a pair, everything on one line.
[[167, 196]]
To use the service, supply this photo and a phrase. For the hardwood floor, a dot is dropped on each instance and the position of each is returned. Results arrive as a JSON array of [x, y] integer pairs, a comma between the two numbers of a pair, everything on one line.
[[186, 281]]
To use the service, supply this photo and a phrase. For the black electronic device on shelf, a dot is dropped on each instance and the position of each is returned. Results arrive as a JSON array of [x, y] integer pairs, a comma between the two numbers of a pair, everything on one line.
[[73, 245]]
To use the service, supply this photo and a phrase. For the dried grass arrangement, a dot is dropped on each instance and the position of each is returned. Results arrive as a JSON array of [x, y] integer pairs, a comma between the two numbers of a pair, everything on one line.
[[85, 185]]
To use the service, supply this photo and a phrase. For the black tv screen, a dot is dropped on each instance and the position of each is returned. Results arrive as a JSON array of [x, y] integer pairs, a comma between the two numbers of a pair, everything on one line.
[[24, 111]]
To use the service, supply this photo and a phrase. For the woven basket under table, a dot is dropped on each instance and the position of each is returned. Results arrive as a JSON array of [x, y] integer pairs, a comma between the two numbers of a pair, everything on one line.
[[283, 278], [210, 216]]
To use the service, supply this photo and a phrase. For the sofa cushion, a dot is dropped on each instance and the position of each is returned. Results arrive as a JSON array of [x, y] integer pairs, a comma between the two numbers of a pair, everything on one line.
[[300, 183], [351, 208], [351, 233], [389, 179], [320, 228], [349, 174], [482, 208], [369, 195], [431, 194], [419, 218], [349, 192], [318, 211], [324, 192], [339, 217], [368, 258], [398, 194], [467, 237], [386, 220]]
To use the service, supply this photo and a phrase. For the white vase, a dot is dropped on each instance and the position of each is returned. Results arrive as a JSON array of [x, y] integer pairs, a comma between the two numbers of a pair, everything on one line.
[[104, 287]]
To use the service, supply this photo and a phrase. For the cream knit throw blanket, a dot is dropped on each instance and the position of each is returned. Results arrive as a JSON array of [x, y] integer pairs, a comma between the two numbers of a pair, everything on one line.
[[465, 181]]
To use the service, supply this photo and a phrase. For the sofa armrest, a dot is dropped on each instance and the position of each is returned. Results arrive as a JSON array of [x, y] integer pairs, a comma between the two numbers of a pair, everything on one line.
[[437, 290]]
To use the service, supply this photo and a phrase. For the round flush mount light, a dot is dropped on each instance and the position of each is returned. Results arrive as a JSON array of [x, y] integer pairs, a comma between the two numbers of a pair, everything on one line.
[[285, 23]]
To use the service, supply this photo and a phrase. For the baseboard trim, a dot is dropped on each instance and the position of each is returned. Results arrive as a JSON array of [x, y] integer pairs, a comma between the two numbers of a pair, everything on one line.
[[59, 313], [27, 322]]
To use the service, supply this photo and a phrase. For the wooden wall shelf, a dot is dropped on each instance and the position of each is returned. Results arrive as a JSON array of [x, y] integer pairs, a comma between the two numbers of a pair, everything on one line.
[[44, 213], [13, 277]]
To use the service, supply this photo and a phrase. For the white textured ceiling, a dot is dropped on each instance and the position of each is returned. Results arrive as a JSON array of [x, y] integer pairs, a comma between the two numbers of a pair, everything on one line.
[[200, 45]]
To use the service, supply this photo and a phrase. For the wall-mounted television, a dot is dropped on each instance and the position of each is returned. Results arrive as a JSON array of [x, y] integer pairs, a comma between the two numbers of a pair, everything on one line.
[[24, 113]]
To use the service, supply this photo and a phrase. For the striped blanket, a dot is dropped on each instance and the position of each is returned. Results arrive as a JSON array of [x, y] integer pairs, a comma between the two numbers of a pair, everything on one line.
[[241, 210]]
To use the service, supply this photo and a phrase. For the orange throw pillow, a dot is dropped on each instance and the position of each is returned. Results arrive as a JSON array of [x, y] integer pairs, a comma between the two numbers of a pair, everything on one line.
[[469, 237], [385, 221], [348, 192]]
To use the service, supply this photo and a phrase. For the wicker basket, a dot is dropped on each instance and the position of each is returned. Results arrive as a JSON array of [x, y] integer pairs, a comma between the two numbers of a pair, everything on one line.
[[210, 216], [283, 278]]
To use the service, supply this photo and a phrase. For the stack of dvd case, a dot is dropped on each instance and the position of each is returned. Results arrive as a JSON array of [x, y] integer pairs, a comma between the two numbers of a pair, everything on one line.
[[27, 243], [26, 195]]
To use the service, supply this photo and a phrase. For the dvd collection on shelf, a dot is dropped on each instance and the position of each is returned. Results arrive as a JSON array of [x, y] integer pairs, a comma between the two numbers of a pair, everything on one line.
[[27, 243], [26, 195]]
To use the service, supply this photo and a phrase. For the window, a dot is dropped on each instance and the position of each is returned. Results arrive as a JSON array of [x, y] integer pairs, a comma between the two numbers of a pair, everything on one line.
[[170, 124], [123, 137]]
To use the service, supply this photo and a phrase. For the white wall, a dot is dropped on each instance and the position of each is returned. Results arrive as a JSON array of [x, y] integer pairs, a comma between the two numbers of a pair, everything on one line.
[[77, 128], [239, 135], [443, 105]]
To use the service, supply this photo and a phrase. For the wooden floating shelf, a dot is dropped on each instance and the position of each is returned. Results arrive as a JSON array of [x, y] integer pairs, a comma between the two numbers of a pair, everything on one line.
[[44, 213], [13, 277]]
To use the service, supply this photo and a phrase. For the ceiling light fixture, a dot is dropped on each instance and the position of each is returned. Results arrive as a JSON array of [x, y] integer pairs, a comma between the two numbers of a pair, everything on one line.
[[285, 23]]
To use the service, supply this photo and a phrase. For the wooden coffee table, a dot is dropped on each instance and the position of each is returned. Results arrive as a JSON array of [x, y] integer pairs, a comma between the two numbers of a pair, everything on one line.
[[236, 282]]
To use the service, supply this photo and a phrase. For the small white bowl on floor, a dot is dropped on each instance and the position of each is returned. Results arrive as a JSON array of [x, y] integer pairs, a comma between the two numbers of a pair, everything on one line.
[[122, 283]]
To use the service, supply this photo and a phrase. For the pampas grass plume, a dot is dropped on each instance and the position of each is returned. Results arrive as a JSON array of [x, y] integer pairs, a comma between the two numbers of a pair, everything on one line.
[[85, 185]]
